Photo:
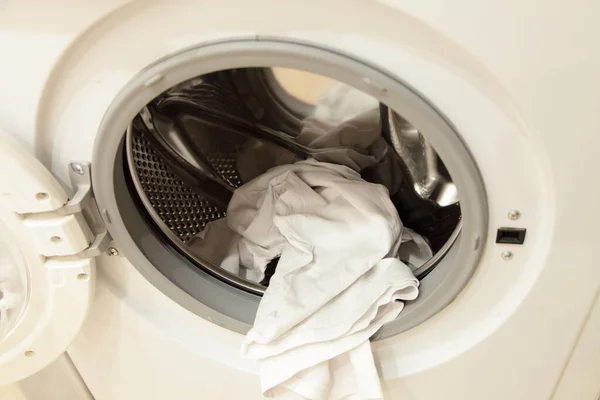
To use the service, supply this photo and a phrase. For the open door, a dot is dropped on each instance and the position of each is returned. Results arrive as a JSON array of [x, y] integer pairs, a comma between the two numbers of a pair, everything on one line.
[[47, 270]]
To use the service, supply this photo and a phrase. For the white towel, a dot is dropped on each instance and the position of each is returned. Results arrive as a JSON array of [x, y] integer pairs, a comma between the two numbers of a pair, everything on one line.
[[338, 279]]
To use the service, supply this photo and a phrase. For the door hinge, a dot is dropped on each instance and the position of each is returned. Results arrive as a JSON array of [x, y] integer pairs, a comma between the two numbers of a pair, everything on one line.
[[76, 228], [83, 202]]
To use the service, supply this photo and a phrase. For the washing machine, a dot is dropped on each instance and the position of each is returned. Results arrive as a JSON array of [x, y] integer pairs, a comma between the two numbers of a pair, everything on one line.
[[124, 125]]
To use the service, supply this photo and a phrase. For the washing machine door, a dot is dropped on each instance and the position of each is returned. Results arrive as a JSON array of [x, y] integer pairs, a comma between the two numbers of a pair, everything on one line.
[[47, 250]]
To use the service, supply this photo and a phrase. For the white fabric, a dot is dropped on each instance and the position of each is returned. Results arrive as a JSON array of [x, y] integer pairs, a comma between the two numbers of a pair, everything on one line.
[[337, 281], [340, 103], [345, 129], [218, 244], [351, 143], [339, 277]]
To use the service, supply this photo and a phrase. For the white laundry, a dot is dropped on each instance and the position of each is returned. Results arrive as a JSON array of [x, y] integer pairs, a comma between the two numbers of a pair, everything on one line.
[[218, 244], [340, 103], [345, 129], [346, 126], [338, 279]]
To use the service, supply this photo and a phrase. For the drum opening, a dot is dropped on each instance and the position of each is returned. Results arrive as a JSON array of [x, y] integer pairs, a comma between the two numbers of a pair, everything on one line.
[[195, 143]]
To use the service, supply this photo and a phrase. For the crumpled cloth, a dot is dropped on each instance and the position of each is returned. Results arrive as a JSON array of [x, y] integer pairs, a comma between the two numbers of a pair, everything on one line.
[[345, 129], [337, 281]]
